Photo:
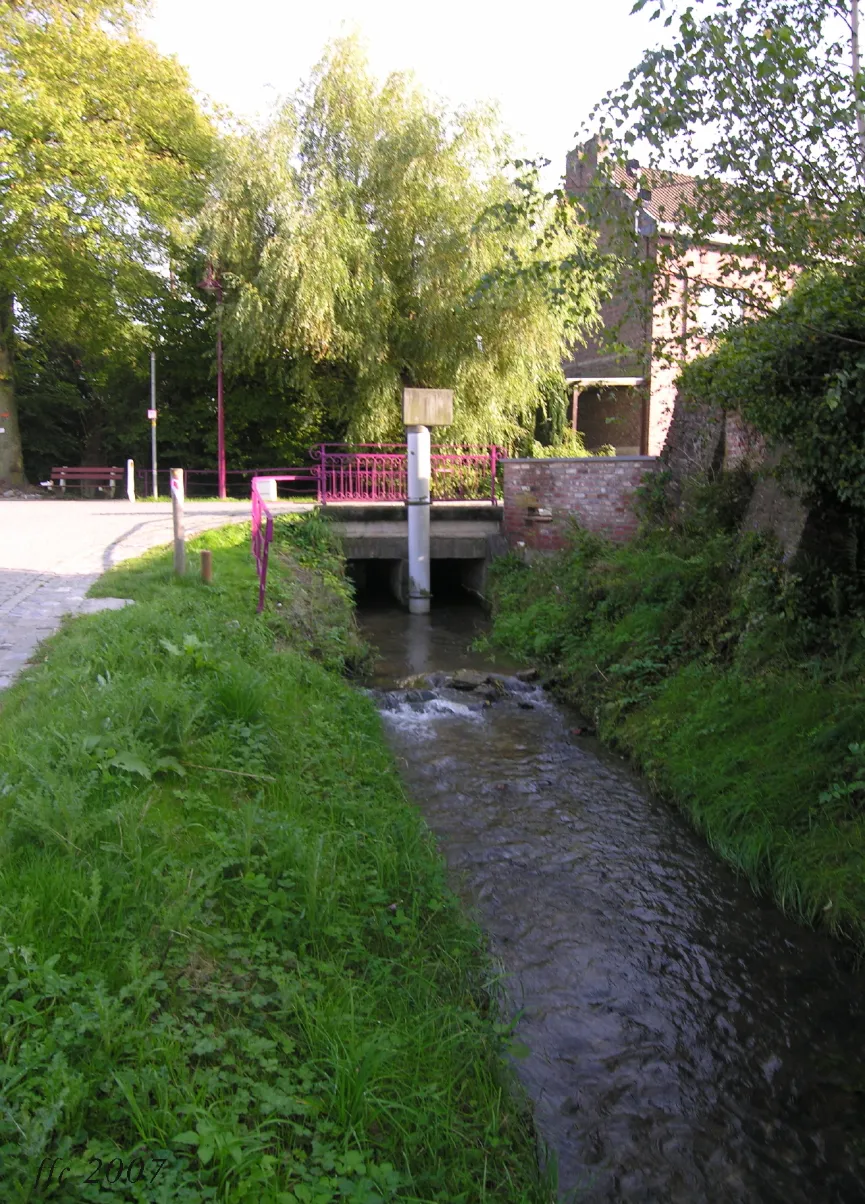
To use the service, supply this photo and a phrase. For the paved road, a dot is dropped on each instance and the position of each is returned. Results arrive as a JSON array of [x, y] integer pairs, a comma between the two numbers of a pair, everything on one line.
[[51, 552]]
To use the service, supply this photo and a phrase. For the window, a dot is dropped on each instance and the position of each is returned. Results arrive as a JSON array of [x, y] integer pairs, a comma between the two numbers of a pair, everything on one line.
[[718, 308]]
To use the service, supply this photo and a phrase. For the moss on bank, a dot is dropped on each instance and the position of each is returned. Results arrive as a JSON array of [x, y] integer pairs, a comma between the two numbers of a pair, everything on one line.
[[700, 655], [230, 966]]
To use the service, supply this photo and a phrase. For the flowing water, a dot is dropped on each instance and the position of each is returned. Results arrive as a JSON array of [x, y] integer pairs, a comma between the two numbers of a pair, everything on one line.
[[688, 1043]]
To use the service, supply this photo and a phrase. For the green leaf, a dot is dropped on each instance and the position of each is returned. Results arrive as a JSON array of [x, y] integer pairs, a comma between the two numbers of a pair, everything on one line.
[[170, 763], [131, 764]]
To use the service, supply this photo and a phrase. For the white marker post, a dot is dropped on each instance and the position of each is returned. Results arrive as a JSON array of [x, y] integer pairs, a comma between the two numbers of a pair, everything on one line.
[[177, 515], [130, 480], [421, 409]]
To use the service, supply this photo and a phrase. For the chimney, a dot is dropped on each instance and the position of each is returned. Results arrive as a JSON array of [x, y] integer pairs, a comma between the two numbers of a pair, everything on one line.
[[582, 164]]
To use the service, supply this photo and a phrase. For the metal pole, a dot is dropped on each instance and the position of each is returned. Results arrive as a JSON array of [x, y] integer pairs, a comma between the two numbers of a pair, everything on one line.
[[418, 507], [130, 480], [153, 420], [177, 515], [220, 412]]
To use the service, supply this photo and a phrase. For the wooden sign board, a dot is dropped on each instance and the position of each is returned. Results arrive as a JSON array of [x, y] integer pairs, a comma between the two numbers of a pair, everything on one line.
[[427, 407]]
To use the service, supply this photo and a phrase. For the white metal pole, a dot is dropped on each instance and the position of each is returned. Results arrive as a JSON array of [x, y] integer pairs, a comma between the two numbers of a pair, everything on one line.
[[418, 507], [130, 480]]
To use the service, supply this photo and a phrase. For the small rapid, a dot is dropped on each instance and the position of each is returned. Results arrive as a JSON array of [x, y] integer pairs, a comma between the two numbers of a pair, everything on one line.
[[687, 1042]]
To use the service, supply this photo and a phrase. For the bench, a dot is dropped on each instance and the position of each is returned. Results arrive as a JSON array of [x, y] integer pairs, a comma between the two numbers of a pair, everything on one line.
[[88, 475]]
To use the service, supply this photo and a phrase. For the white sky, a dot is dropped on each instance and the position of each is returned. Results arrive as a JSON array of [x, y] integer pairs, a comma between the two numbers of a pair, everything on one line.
[[546, 63]]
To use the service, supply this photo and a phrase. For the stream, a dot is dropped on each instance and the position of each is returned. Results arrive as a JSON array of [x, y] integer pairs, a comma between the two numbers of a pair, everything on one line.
[[687, 1041]]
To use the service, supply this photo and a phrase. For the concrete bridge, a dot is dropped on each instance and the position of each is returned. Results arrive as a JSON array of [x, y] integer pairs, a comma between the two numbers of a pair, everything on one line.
[[464, 538]]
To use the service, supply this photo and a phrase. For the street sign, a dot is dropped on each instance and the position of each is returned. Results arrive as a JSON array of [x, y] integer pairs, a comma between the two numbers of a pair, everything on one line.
[[151, 414], [427, 407]]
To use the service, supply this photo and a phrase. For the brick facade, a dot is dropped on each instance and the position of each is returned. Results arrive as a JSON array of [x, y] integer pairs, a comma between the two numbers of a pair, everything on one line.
[[541, 495], [662, 330]]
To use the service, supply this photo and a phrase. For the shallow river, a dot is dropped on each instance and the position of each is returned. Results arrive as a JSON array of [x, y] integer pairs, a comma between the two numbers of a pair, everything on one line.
[[688, 1042]]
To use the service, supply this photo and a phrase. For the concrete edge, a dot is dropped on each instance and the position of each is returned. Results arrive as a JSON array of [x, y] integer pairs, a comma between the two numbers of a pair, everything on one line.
[[579, 460]]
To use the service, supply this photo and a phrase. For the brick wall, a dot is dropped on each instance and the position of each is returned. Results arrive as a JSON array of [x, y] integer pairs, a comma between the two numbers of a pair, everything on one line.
[[540, 496]]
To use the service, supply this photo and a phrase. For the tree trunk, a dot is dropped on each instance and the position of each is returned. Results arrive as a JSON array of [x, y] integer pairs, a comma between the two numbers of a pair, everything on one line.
[[11, 461]]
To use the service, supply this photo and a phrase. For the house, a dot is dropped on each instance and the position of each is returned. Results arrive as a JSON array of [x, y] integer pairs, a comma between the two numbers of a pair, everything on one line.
[[664, 310]]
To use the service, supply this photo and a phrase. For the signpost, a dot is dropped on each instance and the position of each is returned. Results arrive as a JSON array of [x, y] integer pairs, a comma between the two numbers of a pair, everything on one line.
[[421, 409]]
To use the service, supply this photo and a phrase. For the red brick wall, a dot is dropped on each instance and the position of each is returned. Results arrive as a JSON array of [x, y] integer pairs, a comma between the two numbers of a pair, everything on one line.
[[597, 492]]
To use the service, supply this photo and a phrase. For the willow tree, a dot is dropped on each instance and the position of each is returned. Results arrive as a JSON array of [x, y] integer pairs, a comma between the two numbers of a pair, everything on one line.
[[103, 151], [370, 239]]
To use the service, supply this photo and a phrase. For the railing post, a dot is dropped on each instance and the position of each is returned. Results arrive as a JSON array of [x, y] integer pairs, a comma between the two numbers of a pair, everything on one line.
[[493, 450], [322, 478]]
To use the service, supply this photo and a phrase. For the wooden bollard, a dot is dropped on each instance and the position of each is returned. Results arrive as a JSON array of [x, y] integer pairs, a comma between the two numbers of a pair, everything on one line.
[[177, 513], [206, 566]]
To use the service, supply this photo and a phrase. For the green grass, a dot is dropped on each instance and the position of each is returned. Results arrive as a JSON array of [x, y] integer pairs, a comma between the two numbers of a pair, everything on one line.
[[228, 947], [687, 649]]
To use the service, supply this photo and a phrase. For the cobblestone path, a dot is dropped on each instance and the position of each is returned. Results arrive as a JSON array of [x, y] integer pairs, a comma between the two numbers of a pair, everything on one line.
[[52, 551]]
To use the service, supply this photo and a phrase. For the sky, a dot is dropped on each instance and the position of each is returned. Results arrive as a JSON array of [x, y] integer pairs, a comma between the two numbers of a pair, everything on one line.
[[545, 63]]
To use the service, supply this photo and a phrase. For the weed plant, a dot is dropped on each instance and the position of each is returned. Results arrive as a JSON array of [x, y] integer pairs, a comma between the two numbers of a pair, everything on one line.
[[230, 966], [735, 683]]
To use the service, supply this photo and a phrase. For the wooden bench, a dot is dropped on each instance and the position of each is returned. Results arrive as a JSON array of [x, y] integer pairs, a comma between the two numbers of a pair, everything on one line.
[[88, 475]]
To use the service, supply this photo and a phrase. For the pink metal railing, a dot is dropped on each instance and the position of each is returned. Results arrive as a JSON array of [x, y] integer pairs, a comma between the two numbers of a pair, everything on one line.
[[376, 472], [369, 474], [262, 538]]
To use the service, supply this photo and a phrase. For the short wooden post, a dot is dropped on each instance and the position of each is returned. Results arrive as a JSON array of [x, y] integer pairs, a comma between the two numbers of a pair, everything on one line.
[[207, 566], [177, 514]]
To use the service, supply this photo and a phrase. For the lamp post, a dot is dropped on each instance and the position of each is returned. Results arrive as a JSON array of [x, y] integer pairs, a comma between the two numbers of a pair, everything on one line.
[[212, 284]]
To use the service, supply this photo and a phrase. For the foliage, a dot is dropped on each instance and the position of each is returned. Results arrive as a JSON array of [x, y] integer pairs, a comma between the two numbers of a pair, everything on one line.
[[698, 652], [758, 97], [227, 939], [369, 240], [104, 158], [570, 444], [77, 403], [798, 377]]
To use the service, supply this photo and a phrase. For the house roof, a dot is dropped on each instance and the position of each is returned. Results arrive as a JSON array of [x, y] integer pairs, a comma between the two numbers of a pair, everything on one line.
[[667, 190]]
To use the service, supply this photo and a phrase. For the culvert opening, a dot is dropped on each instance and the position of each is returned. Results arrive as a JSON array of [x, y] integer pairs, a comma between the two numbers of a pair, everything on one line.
[[449, 582], [382, 583], [373, 582]]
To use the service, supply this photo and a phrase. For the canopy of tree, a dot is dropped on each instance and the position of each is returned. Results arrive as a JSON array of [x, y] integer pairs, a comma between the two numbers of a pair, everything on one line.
[[763, 99], [104, 156], [369, 239], [799, 377]]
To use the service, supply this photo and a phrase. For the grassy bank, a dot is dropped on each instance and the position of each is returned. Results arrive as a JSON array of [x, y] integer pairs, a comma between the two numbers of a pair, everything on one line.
[[702, 657], [231, 968]]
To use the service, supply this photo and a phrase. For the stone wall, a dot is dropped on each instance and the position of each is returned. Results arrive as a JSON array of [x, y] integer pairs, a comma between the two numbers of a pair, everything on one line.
[[540, 496], [743, 443]]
